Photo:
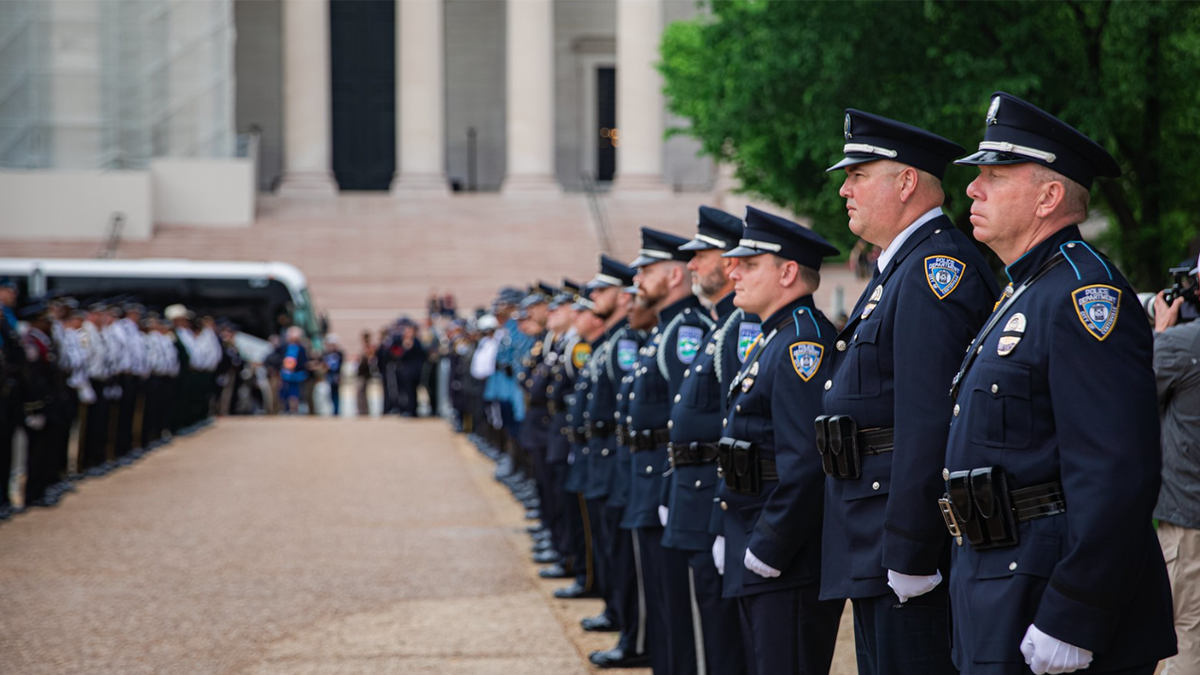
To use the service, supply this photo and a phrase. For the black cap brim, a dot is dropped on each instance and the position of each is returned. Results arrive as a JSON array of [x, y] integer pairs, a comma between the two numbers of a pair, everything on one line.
[[645, 260], [743, 252], [991, 157], [851, 160], [697, 245]]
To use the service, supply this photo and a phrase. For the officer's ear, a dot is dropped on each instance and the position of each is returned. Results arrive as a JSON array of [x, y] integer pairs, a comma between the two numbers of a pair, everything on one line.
[[789, 271], [909, 179], [1052, 195]]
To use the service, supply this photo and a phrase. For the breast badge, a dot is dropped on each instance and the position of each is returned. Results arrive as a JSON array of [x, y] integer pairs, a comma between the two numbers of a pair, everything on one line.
[[1014, 330], [876, 296], [580, 355], [1097, 308]]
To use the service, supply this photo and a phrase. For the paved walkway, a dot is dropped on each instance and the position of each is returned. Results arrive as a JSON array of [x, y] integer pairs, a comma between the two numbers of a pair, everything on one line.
[[290, 545]]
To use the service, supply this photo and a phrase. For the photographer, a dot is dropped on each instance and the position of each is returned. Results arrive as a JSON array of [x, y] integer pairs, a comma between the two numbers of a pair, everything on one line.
[[1177, 369]]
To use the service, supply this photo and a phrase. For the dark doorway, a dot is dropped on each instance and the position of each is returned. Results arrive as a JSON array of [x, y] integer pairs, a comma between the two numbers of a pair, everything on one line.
[[606, 118], [363, 64]]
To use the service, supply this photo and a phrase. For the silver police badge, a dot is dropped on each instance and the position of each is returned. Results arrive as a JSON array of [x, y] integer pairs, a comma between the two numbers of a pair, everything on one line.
[[846, 127], [1013, 331], [995, 108], [876, 296], [1097, 307]]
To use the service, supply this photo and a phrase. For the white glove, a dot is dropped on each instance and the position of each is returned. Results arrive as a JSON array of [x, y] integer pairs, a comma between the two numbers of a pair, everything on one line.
[[759, 567], [718, 552], [87, 395], [1045, 654], [662, 515], [908, 586], [35, 422]]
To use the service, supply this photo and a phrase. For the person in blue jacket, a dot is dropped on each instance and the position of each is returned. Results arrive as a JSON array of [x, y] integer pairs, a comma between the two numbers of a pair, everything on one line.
[[1053, 462], [886, 410], [771, 495]]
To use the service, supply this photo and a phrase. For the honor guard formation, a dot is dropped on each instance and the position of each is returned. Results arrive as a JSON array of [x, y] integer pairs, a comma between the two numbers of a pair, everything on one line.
[[974, 469]]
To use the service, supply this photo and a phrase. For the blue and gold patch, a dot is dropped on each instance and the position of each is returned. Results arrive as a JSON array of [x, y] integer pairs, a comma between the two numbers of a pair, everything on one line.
[[687, 346], [943, 274], [627, 352], [806, 358], [748, 332], [580, 354], [1097, 307]]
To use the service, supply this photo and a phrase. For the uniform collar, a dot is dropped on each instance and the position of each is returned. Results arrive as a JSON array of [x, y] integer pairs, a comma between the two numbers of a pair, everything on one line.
[[1028, 265], [786, 314], [614, 329], [725, 307], [898, 243], [670, 311]]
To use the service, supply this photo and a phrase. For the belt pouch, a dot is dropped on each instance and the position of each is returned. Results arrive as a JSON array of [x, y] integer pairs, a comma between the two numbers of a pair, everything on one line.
[[959, 489], [843, 432], [989, 487], [822, 423], [747, 467]]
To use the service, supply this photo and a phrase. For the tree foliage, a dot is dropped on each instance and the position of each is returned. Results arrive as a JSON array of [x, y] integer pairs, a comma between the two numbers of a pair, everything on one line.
[[764, 83]]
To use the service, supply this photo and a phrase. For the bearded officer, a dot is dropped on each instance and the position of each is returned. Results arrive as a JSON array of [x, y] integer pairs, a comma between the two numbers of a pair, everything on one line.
[[771, 493], [1051, 489], [885, 549], [695, 429]]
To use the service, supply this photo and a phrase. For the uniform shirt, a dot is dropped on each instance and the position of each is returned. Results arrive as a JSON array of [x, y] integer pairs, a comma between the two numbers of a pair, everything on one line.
[[1177, 369], [696, 418], [74, 359], [98, 367], [893, 363], [669, 350], [1063, 390], [134, 348], [609, 362], [773, 401]]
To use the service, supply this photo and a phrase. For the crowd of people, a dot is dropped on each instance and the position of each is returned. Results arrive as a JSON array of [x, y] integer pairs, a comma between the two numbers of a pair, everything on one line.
[[973, 468]]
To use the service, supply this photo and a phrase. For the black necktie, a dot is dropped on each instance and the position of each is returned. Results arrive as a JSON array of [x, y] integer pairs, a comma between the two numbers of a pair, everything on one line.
[[875, 272]]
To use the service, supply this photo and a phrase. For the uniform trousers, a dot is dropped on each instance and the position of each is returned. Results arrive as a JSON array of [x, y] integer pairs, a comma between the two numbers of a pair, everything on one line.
[[10, 413], [790, 631], [131, 385], [716, 618], [912, 638], [1181, 549], [598, 527], [554, 509], [669, 589], [628, 591], [41, 469]]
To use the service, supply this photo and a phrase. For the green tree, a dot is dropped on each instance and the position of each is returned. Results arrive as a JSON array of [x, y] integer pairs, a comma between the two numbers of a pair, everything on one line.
[[763, 84]]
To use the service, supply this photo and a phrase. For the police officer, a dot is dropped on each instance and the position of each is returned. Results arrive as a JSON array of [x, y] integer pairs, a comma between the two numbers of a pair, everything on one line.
[[884, 548], [771, 494], [43, 388], [1051, 487], [664, 285], [12, 371], [608, 364], [695, 427]]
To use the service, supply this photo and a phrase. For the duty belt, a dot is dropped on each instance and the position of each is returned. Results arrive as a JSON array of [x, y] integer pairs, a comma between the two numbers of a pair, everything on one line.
[[742, 468], [622, 435], [689, 454], [575, 434], [640, 441], [842, 445], [979, 506], [598, 429]]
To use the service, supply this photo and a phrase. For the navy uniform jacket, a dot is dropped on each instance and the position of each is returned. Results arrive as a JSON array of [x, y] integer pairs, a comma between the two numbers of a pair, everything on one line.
[[1093, 576], [670, 348], [558, 447], [773, 401], [696, 418], [601, 408], [618, 496], [892, 369], [577, 361], [534, 379]]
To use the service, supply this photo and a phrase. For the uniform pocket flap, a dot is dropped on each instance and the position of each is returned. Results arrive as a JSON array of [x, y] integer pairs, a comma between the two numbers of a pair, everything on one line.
[[1036, 555], [876, 477], [1005, 379]]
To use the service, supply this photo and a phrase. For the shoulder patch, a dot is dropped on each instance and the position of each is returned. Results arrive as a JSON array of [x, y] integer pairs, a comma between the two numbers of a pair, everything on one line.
[[943, 274], [806, 358], [627, 353], [1097, 307], [748, 332], [687, 345], [580, 354]]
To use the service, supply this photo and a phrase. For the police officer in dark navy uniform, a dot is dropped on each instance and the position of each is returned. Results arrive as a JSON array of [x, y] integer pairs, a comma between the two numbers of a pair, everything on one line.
[[886, 413], [772, 489], [533, 379], [664, 285], [695, 427], [1053, 459], [605, 372], [629, 580]]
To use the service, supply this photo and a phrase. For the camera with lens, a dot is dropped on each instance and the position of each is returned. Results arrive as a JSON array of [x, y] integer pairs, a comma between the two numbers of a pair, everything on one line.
[[1183, 285]]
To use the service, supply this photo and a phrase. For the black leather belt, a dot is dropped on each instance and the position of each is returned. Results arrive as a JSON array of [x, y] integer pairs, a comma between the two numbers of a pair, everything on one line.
[[979, 506], [575, 434], [598, 429], [842, 445], [641, 441], [690, 454], [622, 435], [742, 466]]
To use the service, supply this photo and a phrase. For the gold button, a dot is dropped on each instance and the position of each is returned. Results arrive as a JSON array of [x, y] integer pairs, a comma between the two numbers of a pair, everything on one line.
[[677, 397], [649, 469], [697, 483], [687, 372], [738, 407], [699, 368], [1012, 565], [828, 385], [956, 410], [841, 345], [875, 485], [1070, 245], [945, 474], [995, 388], [725, 422], [724, 506]]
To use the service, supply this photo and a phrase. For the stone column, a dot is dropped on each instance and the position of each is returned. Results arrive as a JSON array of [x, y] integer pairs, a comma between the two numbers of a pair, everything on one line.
[[307, 112], [639, 98], [530, 98], [420, 99]]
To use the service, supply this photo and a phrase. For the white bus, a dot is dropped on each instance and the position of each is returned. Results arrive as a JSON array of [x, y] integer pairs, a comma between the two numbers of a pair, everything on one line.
[[257, 296]]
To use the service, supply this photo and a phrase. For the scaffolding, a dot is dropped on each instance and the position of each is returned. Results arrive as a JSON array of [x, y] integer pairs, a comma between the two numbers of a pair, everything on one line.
[[111, 84]]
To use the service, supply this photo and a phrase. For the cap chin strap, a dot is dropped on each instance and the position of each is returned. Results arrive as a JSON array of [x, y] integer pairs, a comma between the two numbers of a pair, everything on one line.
[[869, 149], [1014, 149]]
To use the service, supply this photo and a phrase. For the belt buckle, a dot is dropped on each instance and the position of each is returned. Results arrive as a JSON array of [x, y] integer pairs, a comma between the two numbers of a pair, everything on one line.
[[671, 454], [947, 508]]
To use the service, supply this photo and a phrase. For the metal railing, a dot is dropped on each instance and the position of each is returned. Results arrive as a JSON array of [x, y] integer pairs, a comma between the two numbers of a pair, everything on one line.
[[112, 241], [600, 224]]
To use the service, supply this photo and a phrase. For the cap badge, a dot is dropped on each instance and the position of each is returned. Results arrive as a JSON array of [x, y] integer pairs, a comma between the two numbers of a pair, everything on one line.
[[995, 108], [846, 127]]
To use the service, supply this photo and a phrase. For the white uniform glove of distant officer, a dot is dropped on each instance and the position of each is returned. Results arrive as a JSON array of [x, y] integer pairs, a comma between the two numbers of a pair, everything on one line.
[[719, 554], [759, 567], [1046, 654], [662, 515], [908, 586]]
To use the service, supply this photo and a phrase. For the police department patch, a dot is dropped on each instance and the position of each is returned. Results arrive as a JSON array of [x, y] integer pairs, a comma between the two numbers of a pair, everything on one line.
[[1097, 308], [627, 351], [943, 274], [580, 354], [806, 358], [688, 343], [748, 332]]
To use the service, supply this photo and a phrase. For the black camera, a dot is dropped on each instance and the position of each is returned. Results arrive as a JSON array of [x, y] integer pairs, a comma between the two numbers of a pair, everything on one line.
[[1183, 286]]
